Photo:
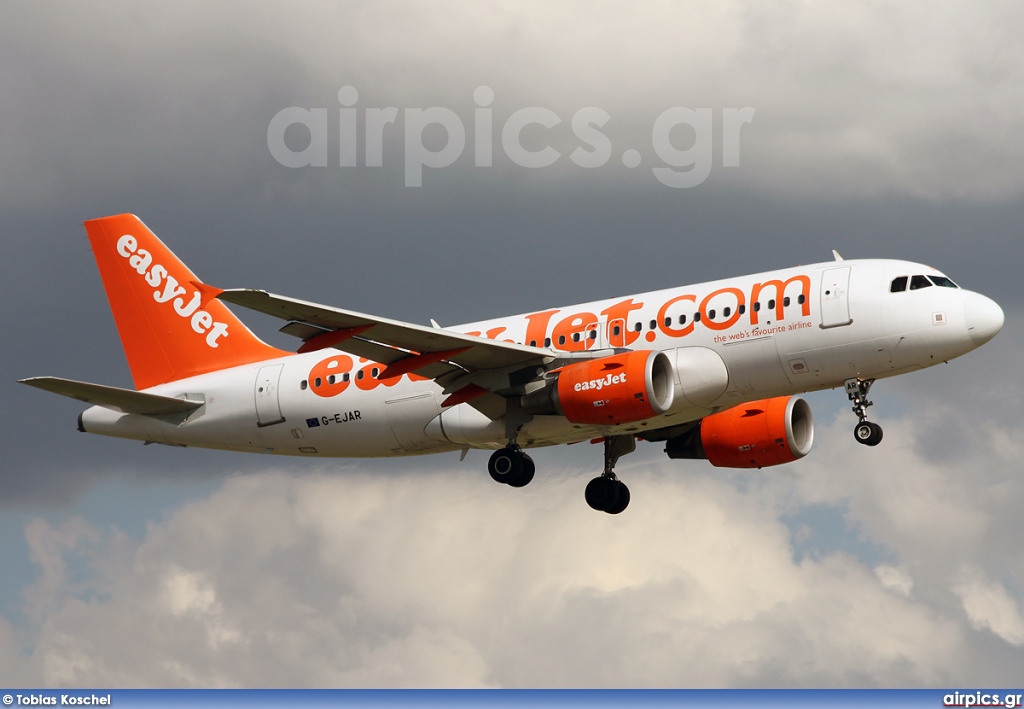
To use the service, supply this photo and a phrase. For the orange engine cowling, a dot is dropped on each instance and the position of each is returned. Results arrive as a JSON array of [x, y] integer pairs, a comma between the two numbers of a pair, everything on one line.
[[752, 435], [620, 389]]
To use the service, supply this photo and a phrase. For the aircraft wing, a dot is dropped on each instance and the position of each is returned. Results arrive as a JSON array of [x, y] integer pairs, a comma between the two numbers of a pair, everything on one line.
[[403, 347]]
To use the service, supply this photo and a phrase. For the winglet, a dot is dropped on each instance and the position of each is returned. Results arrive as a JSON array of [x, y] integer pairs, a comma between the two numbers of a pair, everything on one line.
[[206, 291], [836, 254]]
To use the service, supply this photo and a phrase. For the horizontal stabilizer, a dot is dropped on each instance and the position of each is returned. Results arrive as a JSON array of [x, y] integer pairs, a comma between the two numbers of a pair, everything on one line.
[[125, 401]]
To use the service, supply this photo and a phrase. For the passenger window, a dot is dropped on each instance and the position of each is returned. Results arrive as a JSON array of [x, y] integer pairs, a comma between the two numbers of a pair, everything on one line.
[[743, 308], [547, 342], [593, 334], [917, 282], [898, 285], [942, 282], [800, 299], [726, 312], [785, 301], [345, 377], [376, 372], [575, 337], [317, 382], [638, 327], [696, 317], [757, 307], [711, 314], [533, 343], [771, 304], [616, 331], [359, 375], [330, 379], [668, 322], [561, 339], [303, 384], [654, 324], [682, 319]]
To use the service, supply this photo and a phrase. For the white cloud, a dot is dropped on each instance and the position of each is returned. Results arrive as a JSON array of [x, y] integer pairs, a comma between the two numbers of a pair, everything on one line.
[[188, 594], [895, 579], [989, 606], [444, 579]]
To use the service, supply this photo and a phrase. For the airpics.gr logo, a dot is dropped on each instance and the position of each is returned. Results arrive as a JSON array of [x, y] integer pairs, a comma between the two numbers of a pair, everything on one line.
[[156, 275], [591, 146]]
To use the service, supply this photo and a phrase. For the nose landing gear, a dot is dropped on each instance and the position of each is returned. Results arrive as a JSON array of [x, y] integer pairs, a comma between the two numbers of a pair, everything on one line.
[[865, 432]]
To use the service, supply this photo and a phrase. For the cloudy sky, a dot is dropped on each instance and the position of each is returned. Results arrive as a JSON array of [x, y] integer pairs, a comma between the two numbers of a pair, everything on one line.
[[890, 131]]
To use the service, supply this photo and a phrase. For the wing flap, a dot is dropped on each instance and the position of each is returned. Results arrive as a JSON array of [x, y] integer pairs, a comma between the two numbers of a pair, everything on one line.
[[125, 401], [386, 341]]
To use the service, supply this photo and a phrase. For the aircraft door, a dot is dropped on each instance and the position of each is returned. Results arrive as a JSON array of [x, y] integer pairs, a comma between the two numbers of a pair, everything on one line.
[[617, 333], [605, 333], [835, 297], [596, 336], [268, 402]]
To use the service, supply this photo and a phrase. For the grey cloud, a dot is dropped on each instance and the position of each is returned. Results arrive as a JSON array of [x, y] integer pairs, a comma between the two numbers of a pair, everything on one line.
[[918, 101]]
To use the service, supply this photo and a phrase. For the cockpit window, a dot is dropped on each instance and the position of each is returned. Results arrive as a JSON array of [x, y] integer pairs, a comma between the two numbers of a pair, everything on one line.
[[898, 285], [917, 282], [942, 282]]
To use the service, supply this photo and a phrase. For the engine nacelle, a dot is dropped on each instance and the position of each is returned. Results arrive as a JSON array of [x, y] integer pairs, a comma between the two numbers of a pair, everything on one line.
[[752, 435], [611, 390]]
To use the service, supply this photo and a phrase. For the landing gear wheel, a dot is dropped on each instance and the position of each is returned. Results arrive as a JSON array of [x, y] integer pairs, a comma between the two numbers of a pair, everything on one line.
[[504, 464], [623, 502], [511, 466], [525, 474], [867, 433], [602, 493]]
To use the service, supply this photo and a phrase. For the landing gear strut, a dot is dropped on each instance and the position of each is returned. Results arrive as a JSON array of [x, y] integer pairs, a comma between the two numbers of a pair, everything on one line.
[[607, 493], [511, 466], [866, 432]]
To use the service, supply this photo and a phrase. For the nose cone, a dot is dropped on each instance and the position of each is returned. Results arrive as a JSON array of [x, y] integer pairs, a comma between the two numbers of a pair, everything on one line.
[[984, 318]]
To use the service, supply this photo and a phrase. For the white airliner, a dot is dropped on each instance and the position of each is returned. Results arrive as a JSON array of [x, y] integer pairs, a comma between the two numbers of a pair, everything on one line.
[[711, 370]]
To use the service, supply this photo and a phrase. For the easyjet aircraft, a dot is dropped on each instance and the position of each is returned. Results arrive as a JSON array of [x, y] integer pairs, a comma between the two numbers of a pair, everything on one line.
[[710, 370]]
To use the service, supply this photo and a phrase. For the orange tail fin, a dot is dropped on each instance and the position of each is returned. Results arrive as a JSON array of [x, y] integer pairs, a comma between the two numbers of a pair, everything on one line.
[[170, 327]]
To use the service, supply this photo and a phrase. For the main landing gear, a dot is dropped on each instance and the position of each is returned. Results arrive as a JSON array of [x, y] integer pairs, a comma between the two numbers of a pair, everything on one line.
[[607, 493], [511, 466], [866, 432]]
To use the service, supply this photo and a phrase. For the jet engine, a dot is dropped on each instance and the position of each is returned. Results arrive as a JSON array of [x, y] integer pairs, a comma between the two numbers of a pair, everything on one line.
[[607, 391], [752, 435]]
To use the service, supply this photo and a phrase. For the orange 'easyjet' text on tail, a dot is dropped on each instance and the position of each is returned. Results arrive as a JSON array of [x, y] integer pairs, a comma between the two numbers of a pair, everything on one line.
[[169, 326]]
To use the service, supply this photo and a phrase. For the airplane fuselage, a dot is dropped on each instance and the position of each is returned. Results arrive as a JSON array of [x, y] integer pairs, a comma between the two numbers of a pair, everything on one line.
[[730, 341]]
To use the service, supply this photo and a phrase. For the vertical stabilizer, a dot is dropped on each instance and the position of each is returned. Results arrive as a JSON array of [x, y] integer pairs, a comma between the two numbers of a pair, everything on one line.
[[170, 327]]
